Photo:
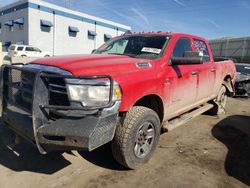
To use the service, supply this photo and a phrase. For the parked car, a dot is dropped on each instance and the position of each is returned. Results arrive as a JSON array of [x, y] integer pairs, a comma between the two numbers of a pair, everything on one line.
[[131, 89], [242, 85], [16, 50]]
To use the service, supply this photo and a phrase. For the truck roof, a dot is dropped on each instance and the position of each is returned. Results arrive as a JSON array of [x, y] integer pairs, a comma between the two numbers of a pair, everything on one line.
[[161, 33]]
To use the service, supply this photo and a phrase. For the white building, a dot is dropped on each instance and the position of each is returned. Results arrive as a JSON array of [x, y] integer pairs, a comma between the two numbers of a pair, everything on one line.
[[53, 28]]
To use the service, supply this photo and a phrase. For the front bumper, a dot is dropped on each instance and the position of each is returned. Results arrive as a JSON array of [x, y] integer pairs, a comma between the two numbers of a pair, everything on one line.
[[53, 127]]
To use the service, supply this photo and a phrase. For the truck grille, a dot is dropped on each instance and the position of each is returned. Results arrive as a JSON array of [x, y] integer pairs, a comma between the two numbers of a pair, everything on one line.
[[58, 92], [19, 83]]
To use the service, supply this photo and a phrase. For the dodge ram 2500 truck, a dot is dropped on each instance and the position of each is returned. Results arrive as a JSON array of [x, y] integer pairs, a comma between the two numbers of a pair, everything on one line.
[[128, 91]]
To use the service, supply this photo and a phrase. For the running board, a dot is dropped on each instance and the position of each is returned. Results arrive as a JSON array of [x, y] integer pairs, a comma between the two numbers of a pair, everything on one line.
[[184, 118]]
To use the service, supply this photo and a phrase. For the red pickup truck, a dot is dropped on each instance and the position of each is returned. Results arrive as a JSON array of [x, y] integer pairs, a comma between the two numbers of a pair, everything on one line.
[[128, 91]]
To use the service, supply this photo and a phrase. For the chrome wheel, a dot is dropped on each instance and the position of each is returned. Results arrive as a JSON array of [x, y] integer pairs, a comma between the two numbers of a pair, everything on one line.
[[144, 140]]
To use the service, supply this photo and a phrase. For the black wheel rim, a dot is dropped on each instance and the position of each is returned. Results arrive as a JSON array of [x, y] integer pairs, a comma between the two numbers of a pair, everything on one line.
[[144, 140]]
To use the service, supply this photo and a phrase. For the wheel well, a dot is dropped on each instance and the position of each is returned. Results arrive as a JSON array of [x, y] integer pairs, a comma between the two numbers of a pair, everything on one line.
[[153, 102], [229, 86]]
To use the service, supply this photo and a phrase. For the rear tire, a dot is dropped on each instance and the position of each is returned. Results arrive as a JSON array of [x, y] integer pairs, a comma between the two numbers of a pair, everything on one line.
[[220, 102], [136, 137]]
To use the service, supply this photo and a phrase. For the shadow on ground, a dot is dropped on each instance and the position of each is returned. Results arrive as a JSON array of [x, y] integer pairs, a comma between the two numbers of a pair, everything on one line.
[[102, 157], [25, 157], [234, 132]]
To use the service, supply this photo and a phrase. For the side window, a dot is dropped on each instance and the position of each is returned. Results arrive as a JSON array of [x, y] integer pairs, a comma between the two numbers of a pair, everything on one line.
[[36, 49], [182, 45], [201, 46], [20, 48], [29, 49]]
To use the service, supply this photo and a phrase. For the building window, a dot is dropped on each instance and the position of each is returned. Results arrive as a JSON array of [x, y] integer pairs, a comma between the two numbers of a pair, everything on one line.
[[91, 34], [46, 25], [20, 27], [19, 22], [10, 25], [6, 45], [73, 31], [107, 37], [20, 42]]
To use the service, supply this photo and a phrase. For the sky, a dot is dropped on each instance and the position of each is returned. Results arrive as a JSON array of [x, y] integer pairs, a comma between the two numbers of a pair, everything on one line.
[[207, 18]]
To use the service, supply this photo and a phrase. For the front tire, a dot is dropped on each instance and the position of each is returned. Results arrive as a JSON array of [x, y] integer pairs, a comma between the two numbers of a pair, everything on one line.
[[136, 137]]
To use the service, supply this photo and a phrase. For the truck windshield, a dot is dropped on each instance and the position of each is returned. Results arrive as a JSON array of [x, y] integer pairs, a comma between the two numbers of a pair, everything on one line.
[[147, 47]]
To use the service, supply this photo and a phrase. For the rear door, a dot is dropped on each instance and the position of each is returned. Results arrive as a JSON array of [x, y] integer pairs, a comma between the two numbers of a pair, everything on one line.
[[183, 80], [206, 72]]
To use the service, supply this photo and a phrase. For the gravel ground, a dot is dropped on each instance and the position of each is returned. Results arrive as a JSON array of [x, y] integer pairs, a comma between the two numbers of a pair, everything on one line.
[[206, 152]]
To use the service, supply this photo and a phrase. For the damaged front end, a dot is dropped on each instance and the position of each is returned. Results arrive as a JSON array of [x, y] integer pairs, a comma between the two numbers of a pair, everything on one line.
[[43, 105], [242, 85]]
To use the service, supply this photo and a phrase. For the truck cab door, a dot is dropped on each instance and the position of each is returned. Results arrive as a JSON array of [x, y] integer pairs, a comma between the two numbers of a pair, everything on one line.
[[206, 72], [182, 81]]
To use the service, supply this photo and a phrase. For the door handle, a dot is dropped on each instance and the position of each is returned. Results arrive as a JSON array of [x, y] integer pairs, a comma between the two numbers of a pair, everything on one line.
[[194, 72], [167, 81], [213, 69]]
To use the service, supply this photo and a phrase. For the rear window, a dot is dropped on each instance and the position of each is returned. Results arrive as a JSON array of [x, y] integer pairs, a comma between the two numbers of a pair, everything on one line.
[[202, 47], [20, 48], [12, 48]]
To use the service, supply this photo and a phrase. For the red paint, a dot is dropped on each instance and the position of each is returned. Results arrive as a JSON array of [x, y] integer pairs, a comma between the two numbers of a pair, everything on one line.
[[138, 82]]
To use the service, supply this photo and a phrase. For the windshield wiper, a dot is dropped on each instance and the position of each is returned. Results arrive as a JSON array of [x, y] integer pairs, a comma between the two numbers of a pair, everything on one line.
[[130, 55]]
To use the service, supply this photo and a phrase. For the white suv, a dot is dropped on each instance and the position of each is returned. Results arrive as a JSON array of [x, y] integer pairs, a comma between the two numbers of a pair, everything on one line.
[[26, 51]]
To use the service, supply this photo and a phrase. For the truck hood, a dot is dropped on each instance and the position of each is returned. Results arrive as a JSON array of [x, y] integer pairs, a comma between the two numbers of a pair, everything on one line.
[[97, 64]]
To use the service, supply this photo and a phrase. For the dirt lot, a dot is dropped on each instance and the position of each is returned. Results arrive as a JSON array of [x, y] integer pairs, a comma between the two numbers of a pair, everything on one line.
[[206, 152]]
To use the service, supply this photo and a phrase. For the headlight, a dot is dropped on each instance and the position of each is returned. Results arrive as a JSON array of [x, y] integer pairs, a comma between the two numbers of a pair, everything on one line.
[[92, 93]]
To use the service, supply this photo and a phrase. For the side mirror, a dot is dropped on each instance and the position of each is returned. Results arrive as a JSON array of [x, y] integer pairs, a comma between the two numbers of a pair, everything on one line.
[[93, 51], [189, 58]]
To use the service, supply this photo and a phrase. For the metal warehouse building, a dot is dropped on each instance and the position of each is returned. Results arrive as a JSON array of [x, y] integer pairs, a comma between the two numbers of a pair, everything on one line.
[[53, 28]]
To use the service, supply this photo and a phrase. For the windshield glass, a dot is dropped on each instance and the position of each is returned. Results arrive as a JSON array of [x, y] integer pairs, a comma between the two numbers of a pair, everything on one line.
[[148, 47], [12, 48]]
